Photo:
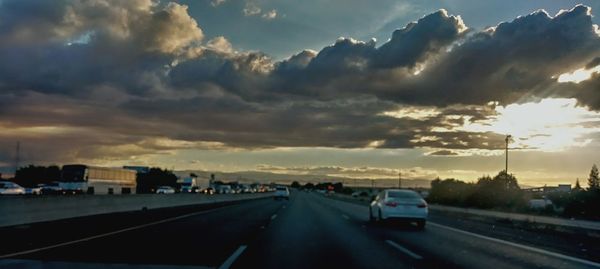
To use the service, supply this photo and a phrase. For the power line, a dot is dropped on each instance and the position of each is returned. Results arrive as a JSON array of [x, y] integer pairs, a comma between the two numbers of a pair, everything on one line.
[[508, 137]]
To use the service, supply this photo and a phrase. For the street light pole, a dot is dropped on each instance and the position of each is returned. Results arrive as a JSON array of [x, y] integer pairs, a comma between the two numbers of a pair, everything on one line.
[[399, 180], [17, 157], [508, 137]]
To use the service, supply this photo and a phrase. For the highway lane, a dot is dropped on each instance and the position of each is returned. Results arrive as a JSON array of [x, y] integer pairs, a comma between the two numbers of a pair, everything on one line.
[[308, 234], [309, 231], [440, 244], [582, 244], [205, 239]]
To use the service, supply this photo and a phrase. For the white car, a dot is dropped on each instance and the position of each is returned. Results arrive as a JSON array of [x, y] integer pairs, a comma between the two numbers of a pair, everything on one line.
[[282, 193], [165, 190], [10, 188], [403, 205]]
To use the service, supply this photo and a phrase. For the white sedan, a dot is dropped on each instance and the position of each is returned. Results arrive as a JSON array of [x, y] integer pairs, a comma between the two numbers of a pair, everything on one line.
[[281, 192], [165, 190], [8, 188], [403, 205]]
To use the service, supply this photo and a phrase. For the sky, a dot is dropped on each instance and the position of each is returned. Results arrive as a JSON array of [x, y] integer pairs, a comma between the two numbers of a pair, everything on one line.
[[360, 89]]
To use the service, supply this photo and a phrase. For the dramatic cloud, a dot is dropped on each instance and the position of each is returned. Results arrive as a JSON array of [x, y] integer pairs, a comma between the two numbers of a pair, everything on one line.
[[512, 62], [418, 40], [594, 63], [112, 79]]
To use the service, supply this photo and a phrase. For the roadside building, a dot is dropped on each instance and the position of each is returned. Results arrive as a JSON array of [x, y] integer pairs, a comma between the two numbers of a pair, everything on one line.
[[549, 189]]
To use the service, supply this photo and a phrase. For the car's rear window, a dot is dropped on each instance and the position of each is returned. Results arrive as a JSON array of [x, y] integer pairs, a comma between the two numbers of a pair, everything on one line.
[[403, 195]]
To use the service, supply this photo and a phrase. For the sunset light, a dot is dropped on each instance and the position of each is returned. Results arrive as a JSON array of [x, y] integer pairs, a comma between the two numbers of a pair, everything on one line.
[[579, 75], [548, 125], [299, 134]]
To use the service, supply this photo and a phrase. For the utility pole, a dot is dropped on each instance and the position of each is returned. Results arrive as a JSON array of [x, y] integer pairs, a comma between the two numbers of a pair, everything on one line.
[[17, 157], [399, 180], [508, 137]]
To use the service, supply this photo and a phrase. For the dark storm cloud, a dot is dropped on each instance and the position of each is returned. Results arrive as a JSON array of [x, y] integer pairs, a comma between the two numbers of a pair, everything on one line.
[[515, 61], [71, 45], [595, 62], [586, 92], [413, 43], [511, 62], [109, 78]]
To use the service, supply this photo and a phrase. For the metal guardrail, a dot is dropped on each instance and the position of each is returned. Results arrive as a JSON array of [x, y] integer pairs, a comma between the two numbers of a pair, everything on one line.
[[582, 224]]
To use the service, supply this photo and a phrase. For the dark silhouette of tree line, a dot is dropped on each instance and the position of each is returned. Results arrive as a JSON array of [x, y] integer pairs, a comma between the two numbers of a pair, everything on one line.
[[154, 178], [503, 192], [581, 203], [33, 175]]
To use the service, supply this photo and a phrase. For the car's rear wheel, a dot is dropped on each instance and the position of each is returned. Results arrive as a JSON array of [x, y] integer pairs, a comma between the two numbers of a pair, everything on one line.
[[421, 225], [379, 218], [371, 218]]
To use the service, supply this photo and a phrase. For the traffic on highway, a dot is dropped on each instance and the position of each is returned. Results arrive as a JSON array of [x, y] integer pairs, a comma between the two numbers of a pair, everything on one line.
[[158, 134], [310, 230]]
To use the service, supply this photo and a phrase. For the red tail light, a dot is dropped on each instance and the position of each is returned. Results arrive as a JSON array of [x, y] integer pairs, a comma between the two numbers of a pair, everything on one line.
[[391, 204]]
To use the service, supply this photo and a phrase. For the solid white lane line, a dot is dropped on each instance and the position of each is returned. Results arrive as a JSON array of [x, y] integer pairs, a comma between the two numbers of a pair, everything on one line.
[[404, 250], [233, 257], [273, 217], [533, 249], [108, 234]]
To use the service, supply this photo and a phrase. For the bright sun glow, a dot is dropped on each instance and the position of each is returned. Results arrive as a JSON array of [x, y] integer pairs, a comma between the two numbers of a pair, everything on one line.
[[578, 75], [550, 125]]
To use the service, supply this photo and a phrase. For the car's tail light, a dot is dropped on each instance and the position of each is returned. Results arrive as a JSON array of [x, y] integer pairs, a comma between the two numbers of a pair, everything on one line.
[[422, 205], [391, 204]]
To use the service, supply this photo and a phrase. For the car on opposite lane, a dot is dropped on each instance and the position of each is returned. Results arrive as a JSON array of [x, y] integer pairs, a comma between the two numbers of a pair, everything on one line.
[[10, 188], [165, 190], [209, 191], [51, 188], [33, 191], [398, 204]]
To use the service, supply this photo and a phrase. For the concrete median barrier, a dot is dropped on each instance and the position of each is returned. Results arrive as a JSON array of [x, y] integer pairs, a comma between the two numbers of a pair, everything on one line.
[[16, 210]]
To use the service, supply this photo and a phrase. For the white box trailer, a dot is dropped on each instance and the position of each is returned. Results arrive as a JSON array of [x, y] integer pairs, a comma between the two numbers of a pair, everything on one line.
[[193, 184], [77, 178]]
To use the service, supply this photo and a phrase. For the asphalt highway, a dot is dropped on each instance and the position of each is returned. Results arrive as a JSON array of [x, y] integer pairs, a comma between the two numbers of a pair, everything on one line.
[[308, 231]]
